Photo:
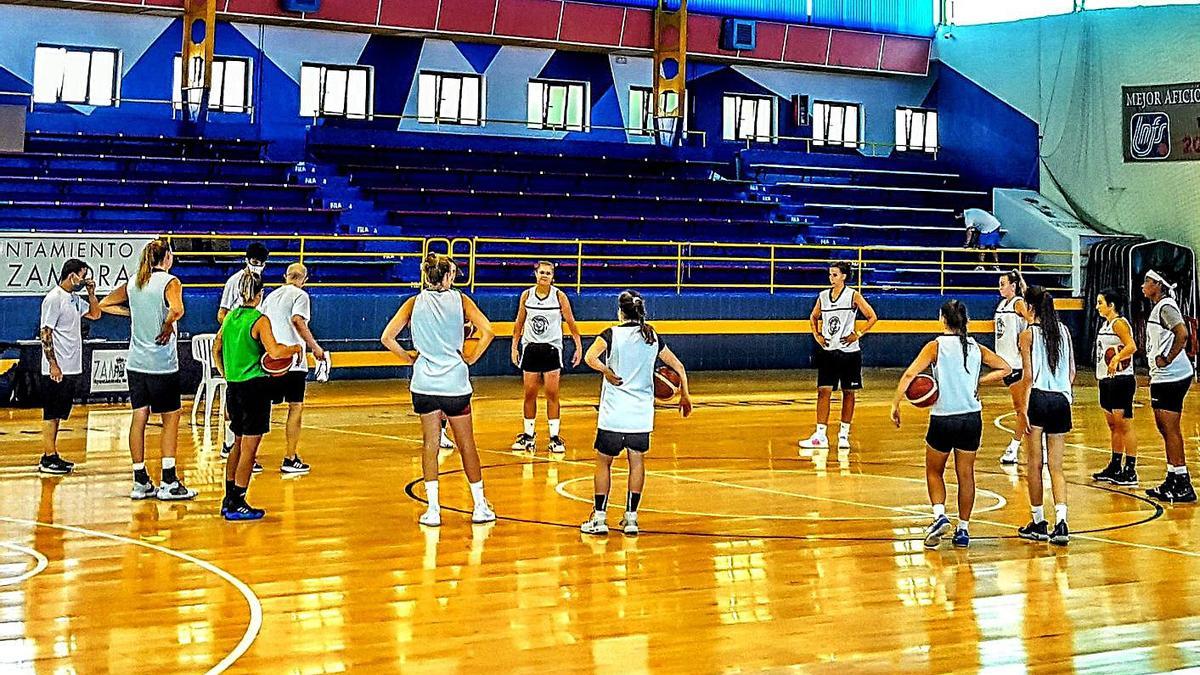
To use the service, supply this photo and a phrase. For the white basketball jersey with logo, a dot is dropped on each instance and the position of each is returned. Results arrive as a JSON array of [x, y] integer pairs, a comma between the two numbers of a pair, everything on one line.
[[957, 379], [543, 319], [1105, 339], [837, 319], [1009, 325]]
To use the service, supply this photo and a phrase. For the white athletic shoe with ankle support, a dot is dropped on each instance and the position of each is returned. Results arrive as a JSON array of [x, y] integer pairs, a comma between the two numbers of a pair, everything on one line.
[[143, 491], [431, 518], [815, 441], [843, 442], [483, 513], [444, 442], [629, 524], [594, 525], [1010, 454]]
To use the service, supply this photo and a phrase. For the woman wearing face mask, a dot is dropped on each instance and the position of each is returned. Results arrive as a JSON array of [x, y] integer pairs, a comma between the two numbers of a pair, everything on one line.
[[231, 299]]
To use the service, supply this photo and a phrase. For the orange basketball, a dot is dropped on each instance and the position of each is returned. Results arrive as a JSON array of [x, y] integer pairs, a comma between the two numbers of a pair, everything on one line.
[[1112, 352], [276, 367], [666, 383], [922, 391]]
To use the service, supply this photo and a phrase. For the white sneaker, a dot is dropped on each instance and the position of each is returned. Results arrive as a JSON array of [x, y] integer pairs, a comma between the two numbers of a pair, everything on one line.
[[523, 442], [174, 492], [815, 441], [557, 446], [629, 524], [444, 442], [843, 442], [143, 491], [594, 525], [483, 513], [432, 517], [1010, 454]]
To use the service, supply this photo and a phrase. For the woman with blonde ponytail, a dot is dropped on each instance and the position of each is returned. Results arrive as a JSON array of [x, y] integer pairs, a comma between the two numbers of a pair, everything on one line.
[[153, 301], [1010, 320]]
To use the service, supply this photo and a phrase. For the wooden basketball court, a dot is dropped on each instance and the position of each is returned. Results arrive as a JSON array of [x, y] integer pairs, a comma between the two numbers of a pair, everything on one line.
[[752, 556]]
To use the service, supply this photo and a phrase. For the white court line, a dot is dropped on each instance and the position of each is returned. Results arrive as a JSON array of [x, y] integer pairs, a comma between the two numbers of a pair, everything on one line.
[[1141, 458], [39, 565], [252, 628]]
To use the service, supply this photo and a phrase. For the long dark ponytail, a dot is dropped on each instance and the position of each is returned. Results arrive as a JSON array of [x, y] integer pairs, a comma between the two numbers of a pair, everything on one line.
[[633, 308], [1042, 303], [954, 313]]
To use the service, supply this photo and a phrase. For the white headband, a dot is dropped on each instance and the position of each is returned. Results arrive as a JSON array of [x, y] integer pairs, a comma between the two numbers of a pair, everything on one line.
[[1160, 279]]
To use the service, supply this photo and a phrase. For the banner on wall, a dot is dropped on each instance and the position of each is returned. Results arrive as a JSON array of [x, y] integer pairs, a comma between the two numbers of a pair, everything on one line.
[[108, 371], [1161, 122], [30, 261]]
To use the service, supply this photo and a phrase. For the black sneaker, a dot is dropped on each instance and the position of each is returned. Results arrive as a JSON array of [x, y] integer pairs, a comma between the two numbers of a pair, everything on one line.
[[257, 468], [54, 465], [1034, 531], [1175, 488], [225, 450], [1060, 536], [294, 466], [1108, 475], [1126, 477], [242, 511], [557, 446]]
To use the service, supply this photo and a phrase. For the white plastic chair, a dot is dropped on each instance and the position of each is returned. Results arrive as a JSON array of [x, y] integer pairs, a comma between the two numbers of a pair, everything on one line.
[[210, 383]]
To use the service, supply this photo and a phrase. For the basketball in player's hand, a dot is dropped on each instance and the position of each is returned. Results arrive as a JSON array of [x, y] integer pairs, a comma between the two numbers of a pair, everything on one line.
[[1110, 354], [666, 383], [470, 350], [922, 391], [276, 367]]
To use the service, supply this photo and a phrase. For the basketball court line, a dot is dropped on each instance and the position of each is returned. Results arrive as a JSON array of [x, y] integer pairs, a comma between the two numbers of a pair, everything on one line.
[[1079, 446], [41, 562], [252, 628]]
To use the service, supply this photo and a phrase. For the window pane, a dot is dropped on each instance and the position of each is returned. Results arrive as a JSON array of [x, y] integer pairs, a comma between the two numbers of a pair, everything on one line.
[[469, 112], [968, 12], [931, 131], [730, 118], [426, 96], [177, 82], [916, 135], [556, 105], [850, 135], [449, 101], [820, 123], [746, 116], [637, 110], [48, 63], [216, 90], [536, 119], [902, 116], [576, 110], [237, 82], [333, 94], [310, 88], [765, 115], [837, 122], [358, 93], [75, 77]]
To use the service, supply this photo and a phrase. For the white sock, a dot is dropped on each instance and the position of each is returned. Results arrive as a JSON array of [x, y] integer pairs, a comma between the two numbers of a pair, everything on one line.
[[168, 463], [529, 428], [600, 515], [844, 430], [1060, 513], [1015, 443], [139, 466], [431, 493], [1039, 514], [964, 525], [939, 510], [555, 425], [477, 492], [820, 430], [1179, 470]]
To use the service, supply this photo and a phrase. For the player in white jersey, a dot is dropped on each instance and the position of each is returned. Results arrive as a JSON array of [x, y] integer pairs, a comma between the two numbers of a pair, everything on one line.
[[1114, 375], [1047, 375], [956, 421], [1171, 374], [626, 355], [537, 349], [256, 262], [441, 383], [1010, 321], [839, 354]]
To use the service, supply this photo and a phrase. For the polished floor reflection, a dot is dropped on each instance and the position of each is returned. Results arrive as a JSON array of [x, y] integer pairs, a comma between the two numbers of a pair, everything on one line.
[[752, 556]]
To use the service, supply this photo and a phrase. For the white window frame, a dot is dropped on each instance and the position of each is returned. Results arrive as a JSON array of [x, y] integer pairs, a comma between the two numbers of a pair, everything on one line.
[[55, 68], [221, 85], [326, 103], [913, 127], [441, 100], [643, 98], [540, 100], [750, 117], [824, 129]]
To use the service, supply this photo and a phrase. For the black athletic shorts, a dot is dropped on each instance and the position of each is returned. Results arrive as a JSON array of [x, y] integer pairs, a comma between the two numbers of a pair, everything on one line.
[[1116, 393], [250, 406], [452, 406], [1013, 377], [58, 397], [611, 443], [1049, 410], [955, 432], [157, 391], [1169, 395], [289, 387], [540, 358], [839, 369]]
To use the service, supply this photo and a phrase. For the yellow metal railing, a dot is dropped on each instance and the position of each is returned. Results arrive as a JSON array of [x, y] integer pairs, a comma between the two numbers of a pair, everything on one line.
[[679, 266]]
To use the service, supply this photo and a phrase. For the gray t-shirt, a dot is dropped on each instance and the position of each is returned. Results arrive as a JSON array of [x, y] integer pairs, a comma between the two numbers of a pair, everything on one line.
[[1170, 317]]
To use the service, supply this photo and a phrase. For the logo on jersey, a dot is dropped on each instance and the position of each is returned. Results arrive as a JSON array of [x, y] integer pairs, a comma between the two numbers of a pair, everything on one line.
[[1000, 329], [835, 325], [540, 325]]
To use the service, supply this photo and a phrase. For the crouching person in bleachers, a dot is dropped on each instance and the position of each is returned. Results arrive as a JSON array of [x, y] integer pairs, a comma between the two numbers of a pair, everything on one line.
[[983, 233]]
